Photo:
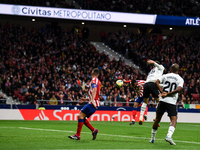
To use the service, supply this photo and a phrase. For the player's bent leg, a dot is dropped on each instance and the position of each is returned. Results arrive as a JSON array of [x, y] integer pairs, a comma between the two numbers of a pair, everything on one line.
[[155, 128], [81, 117], [157, 100], [143, 108], [91, 110], [145, 114], [94, 131], [135, 106], [171, 130]]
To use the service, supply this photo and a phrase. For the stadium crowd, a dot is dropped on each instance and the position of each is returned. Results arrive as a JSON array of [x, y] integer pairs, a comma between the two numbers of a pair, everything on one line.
[[163, 7], [183, 50], [54, 65], [45, 3]]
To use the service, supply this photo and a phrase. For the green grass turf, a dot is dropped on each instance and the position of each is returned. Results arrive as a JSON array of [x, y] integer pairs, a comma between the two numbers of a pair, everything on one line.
[[112, 135]]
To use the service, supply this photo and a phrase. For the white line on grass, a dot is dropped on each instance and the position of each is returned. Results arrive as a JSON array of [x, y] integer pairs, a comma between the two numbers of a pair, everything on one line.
[[98, 134]]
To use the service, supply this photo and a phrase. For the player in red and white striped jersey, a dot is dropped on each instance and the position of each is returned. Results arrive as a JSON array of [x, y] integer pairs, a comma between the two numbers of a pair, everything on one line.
[[138, 86], [90, 108], [95, 82]]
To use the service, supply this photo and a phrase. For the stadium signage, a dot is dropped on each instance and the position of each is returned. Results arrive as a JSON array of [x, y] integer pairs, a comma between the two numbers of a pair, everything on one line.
[[77, 14], [191, 21], [72, 115], [177, 20], [100, 115]]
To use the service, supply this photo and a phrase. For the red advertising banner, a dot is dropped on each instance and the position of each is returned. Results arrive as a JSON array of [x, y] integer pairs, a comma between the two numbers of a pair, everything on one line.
[[72, 115]]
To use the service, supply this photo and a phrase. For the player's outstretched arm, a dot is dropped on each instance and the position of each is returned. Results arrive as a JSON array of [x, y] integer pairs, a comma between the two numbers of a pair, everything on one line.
[[150, 61], [126, 81], [160, 67]]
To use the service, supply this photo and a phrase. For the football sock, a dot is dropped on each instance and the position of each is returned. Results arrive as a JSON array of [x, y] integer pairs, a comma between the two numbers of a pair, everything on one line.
[[87, 124], [153, 134], [145, 113], [143, 108], [170, 131], [79, 126], [134, 114]]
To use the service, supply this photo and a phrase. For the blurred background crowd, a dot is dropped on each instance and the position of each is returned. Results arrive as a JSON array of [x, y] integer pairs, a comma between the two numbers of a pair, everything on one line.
[[53, 65]]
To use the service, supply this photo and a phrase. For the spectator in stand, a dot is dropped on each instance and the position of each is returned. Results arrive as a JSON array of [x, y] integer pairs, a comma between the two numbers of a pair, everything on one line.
[[23, 90], [115, 99], [7, 87], [108, 101], [123, 98], [53, 100], [180, 104], [13, 87], [2, 99]]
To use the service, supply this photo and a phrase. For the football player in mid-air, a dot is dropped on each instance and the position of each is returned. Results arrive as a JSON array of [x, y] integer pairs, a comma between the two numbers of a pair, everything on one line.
[[172, 84], [138, 86], [89, 109], [150, 86]]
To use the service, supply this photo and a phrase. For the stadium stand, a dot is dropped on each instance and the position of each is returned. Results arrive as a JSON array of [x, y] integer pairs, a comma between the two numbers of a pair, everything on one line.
[[164, 7], [183, 50], [37, 63], [45, 3]]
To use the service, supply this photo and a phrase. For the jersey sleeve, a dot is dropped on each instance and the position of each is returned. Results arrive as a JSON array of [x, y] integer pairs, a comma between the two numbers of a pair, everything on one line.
[[181, 82], [160, 67], [94, 85], [128, 81], [161, 79]]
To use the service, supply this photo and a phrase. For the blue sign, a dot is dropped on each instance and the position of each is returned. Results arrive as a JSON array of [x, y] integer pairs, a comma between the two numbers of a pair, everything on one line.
[[178, 21]]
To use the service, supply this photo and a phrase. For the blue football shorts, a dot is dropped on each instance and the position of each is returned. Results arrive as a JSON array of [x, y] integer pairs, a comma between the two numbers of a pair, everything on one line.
[[88, 110], [139, 99]]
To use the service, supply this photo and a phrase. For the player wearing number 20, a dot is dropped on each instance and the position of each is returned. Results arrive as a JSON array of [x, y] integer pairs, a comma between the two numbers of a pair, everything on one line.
[[172, 84]]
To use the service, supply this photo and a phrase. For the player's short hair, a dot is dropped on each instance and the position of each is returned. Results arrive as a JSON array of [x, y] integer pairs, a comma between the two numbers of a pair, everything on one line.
[[95, 71], [174, 67], [157, 62], [133, 81]]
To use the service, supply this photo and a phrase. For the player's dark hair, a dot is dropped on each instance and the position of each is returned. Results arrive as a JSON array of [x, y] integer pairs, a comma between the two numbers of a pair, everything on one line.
[[157, 62], [95, 71], [133, 81], [174, 68]]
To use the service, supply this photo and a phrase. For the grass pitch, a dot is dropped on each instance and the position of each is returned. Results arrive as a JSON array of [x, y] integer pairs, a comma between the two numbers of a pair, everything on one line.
[[18, 135]]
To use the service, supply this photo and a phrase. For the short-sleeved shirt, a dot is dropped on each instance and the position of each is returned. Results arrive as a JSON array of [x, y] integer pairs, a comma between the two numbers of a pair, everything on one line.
[[95, 82], [140, 87], [155, 73], [171, 81]]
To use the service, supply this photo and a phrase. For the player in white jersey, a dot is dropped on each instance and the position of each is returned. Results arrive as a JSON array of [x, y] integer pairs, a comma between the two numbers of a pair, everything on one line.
[[172, 84], [150, 86]]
